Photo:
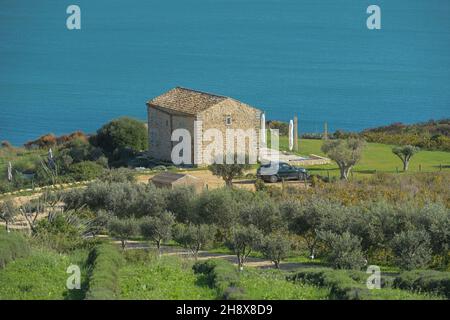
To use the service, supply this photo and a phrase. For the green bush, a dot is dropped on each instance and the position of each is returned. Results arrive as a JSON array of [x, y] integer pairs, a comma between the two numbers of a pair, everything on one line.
[[122, 133], [430, 281], [343, 250], [12, 246], [223, 276], [412, 249], [105, 261], [343, 284], [86, 170]]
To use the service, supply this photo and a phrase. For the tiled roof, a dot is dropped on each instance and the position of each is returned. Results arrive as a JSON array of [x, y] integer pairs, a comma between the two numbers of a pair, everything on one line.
[[170, 177], [186, 101]]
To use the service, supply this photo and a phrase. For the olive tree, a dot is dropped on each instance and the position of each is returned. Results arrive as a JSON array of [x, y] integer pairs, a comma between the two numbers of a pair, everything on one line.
[[343, 250], [194, 237], [435, 218], [346, 153], [412, 249], [123, 229], [308, 219], [243, 241], [262, 213], [229, 171], [405, 153], [276, 247], [215, 207], [157, 228], [180, 201]]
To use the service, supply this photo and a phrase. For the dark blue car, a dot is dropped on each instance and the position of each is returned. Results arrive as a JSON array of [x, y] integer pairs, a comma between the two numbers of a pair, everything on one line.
[[285, 171]]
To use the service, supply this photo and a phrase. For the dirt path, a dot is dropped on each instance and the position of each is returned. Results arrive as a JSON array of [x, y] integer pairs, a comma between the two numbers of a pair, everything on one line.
[[205, 255]]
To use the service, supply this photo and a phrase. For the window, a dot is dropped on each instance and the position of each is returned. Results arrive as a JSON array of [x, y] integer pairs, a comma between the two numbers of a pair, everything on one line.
[[167, 123], [228, 120]]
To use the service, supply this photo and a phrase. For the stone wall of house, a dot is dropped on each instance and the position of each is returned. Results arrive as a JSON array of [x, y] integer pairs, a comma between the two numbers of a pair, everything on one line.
[[242, 116], [160, 127]]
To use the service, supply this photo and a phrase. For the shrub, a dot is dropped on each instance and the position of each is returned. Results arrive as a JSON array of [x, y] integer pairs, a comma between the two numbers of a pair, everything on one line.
[[105, 261], [123, 199], [215, 207], [5, 144], [223, 276], [412, 249], [63, 232], [12, 246], [435, 282], [118, 175], [260, 185], [344, 250], [180, 201], [45, 141], [122, 133], [262, 213], [85, 170], [343, 284]]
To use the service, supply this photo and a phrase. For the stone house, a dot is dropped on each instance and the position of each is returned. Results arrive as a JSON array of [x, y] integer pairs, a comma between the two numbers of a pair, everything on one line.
[[171, 180], [186, 108]]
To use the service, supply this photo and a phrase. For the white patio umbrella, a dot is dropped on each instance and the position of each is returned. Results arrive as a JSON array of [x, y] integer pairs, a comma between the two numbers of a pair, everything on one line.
[[263, 128], [291, 135]]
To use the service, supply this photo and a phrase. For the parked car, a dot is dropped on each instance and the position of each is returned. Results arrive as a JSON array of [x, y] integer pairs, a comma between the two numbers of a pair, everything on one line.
[[285, 171]]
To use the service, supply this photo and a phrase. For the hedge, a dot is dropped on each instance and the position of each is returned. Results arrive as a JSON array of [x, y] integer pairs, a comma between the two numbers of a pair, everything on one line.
[[105, 261], [13, 245], [429, 281], [223, 276], [343, 284]]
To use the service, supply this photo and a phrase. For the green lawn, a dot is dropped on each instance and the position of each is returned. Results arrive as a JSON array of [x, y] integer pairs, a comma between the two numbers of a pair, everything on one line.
[[271, 284], [168, 278], [40, 276], [376, 157]]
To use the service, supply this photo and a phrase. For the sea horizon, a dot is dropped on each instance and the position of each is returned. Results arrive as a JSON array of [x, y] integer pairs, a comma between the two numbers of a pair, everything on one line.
[[287, 58]]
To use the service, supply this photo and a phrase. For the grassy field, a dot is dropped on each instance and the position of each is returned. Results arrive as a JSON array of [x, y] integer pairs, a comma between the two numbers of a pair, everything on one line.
[[41, 276], [271, 284], [376, 157], [169, 278], [21, 158]]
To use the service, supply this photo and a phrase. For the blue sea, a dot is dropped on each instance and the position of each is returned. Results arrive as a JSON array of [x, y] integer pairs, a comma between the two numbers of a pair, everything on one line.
[[316, 59]]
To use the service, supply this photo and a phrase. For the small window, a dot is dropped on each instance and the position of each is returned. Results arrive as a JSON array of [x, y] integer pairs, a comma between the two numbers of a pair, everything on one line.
[[167, 123], [228, 120]]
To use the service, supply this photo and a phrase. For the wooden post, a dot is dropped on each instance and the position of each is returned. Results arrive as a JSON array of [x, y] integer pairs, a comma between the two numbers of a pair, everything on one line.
[[325, 131], [295, 134]]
